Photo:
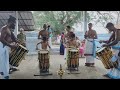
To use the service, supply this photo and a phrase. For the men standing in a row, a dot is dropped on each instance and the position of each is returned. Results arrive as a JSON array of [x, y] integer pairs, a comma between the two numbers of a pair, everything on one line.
[[90, 35], [7, 37]]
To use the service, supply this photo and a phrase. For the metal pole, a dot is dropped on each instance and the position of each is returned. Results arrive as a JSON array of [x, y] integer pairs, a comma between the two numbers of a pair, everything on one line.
[[16, 27], [85, 21]]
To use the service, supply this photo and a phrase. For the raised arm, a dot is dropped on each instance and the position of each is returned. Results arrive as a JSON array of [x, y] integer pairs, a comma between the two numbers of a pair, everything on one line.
[[14, 38], [108, 41], [111, 38]]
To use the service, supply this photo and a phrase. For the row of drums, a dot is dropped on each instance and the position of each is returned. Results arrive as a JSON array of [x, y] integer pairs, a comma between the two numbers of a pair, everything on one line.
[[104, 54], [17, 55], [72, 59]]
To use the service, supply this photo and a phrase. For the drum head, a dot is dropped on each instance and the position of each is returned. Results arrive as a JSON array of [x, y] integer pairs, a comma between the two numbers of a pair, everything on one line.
[[23, 47], [101, 49], [73, 50], [43, 51]]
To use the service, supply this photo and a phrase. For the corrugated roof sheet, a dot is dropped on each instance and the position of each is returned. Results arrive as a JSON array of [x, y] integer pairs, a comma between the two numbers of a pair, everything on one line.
[[25, 19]]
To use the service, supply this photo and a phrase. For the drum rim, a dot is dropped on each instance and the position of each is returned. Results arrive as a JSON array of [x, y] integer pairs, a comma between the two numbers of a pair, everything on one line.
[[100, 49]]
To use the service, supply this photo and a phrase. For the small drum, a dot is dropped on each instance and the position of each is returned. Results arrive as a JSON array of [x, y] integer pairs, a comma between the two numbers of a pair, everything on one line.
[[17, 55], [73, 58], [105, 54], [43, 57]]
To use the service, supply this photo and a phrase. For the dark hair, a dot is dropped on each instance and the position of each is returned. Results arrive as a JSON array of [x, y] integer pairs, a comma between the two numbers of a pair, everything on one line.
[[48, 25], [62, 32], [44, 38], [11, 19], [44, 25], [109, 24], [68, 27], [72, 35], [90, 24]]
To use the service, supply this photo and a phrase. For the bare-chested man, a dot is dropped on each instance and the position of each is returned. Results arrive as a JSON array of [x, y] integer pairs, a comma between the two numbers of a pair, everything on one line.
[[7, 37], [114, 42], [43, 33], [90, 35]]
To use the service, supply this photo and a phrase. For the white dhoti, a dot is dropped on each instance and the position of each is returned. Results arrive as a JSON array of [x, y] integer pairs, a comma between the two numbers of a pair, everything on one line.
[[89, 48], [50, 42], [65, 53], [4, 60], [114, 73]]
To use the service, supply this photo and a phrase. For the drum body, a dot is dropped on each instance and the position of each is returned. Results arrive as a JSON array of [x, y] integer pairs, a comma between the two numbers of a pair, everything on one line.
[[17, 55], [73, 58], [105, 54], [43, 57]]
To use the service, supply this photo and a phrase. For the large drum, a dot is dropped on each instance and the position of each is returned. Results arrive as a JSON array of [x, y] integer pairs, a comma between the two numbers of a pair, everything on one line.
[[73, 58], [17, 55], [43, 57], [105, 54]]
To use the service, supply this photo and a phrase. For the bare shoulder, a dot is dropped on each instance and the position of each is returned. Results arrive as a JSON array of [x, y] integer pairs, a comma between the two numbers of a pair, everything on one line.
[[40, 31], [4, 29], [118, 31], [94, 30]]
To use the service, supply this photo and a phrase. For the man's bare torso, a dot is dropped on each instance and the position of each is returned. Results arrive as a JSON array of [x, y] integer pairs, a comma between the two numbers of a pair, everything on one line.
[[6, 31], [43, 33], [44, 45], [91, 34]]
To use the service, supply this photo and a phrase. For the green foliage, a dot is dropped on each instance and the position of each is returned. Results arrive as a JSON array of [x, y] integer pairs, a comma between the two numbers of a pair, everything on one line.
[[57, 19], [60, 19]]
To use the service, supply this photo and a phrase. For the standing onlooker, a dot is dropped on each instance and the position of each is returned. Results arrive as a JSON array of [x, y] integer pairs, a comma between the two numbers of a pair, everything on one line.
[[61, 44], [22, 38], [90, 35], [82, 48], [50, 35]]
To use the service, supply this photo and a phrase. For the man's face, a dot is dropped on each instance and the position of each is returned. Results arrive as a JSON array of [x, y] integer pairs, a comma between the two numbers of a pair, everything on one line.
[[111, 28], [12, 25], [45, 26], [67, 29], [89, 26], [21, 31]]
